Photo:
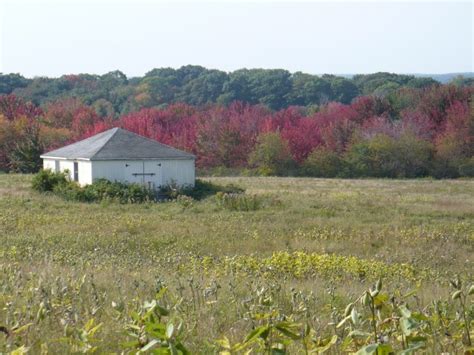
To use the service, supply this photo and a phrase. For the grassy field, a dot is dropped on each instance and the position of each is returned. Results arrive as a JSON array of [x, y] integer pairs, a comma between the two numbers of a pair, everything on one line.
[[311, 247]]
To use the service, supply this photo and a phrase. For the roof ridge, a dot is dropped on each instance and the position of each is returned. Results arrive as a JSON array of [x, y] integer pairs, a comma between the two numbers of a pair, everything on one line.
[[107, 141]]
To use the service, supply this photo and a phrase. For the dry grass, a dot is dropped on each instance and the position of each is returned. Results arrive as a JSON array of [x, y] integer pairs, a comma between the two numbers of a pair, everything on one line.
[[126, 248]]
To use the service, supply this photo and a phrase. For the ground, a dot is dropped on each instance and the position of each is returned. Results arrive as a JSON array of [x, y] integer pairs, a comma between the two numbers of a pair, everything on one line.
[[316, 242]]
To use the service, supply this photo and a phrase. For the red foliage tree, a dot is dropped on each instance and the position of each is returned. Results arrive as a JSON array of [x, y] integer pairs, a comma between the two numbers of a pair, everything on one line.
[[337, 124], [174, 125], [12, 107], [226, 136]]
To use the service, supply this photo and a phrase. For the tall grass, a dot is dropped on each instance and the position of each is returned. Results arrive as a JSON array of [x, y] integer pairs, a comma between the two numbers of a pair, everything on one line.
[[191, 274]]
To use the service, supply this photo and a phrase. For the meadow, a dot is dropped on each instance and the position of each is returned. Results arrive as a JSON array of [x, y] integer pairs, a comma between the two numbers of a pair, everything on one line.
[[314, 265]]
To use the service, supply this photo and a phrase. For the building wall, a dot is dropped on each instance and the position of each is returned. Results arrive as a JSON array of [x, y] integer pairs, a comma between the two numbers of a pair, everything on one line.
[[49, 164], [85, 172], [84, 167], [181, 172], [165, 172], [58, 165], [67, 165]]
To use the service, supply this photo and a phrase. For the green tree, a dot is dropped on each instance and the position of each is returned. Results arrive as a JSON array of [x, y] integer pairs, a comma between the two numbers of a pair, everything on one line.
[[10, 82], [309, 90], [270, 87], [385, 156], [25, 157], [344, 90], [323, 162], [272, 155]]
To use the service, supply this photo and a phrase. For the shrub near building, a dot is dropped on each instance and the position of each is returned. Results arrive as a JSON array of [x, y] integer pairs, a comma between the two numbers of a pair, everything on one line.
[[59, 184]]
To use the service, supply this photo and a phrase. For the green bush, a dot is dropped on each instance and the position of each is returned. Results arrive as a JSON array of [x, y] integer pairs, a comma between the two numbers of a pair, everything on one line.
[[46, 180], [467, 168], [238, 201], [323, 162], [385, 156], [103, 189], [100, 190], [200, 191], [272, 155], [71, 191]]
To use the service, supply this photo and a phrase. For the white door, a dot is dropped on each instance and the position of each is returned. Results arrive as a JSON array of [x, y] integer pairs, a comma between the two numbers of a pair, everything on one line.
[[153, 174], [134, 172]]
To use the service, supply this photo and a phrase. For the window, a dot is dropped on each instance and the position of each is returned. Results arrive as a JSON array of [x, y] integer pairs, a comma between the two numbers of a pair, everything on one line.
[[56, 166], [76, 171]]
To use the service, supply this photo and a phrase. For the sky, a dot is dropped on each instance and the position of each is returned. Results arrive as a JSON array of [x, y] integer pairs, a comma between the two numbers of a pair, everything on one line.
[[52, 37]]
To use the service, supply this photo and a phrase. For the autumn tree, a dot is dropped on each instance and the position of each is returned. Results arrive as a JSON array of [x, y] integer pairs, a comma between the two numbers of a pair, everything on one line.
[[271, 155]]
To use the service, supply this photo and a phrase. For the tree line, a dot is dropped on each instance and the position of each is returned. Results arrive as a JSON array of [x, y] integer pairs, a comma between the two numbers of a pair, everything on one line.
[[113, 94], [408, 132]]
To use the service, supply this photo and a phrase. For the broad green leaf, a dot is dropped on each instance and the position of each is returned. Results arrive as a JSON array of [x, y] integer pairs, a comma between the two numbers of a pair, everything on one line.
[[150, 345], [256, 333], [376, 349], [456, 295], [380, 299], [342, 322], [326, 347], [367, 350], [22, 328], [408, 325], [169, 330], [354, 317], [404, 311], [288, 332], [359, 334]]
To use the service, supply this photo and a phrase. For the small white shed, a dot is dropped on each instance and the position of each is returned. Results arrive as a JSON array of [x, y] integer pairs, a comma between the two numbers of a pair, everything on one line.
[[121, 155]]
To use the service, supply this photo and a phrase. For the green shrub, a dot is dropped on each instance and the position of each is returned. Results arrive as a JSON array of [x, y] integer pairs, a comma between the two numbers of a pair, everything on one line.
[[383, 156], [46, 180], [71, 191], [103, 189], [238, 201], [467, 168], [272, 155], [100, 190], [185, 201], [201, 190], [323, 162]]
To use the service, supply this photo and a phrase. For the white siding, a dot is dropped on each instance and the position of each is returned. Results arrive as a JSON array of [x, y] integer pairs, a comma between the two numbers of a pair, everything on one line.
[[49, 164], [165, 172], [67, 165], [85, 172], [180, 172]]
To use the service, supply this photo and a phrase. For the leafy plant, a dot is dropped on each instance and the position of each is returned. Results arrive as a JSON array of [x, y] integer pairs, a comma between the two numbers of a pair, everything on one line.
[[238, 202], [153, 331], [46, 180], [201, 190]]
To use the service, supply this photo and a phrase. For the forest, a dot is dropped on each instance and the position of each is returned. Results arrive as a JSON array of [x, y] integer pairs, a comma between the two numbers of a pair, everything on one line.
[[253, 121]]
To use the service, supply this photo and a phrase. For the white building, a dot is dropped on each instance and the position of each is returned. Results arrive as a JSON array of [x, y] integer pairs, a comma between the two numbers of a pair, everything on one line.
[[120, 155]]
